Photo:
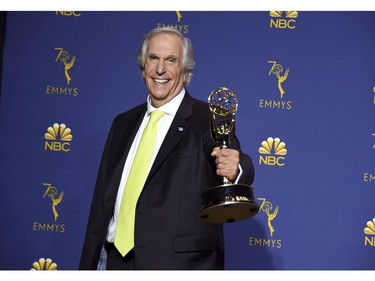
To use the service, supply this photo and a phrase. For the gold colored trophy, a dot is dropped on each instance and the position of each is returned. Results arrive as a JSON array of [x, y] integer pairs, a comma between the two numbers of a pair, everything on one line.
[[227, 202]]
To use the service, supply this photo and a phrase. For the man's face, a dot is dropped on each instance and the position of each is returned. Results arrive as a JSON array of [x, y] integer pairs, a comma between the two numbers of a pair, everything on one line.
[[164, 74]]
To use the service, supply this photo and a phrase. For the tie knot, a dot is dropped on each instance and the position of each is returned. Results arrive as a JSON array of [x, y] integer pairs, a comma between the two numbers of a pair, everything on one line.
[[156, 115]]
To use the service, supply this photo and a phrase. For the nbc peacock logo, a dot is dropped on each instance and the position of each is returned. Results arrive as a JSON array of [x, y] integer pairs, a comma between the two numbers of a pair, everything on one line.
[[272, 146], [283, 20], [68, 13], [369, 230], [44, 264], [58, 138]]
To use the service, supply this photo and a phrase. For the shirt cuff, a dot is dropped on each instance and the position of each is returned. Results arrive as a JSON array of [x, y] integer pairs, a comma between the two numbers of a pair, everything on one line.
[[239, 174]]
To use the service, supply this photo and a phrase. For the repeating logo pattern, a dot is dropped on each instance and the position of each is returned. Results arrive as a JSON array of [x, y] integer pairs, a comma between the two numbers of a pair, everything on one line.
[[270, 242], [272, 146], [369, 230], [68, 63], [267, 208], [184, 28], [369, 177], [64, 57], [44, 264], [68, 13], [60, 132], [278, 70], [281, 74], [58, 138], [52, 192], [179, 16], [280, 19]]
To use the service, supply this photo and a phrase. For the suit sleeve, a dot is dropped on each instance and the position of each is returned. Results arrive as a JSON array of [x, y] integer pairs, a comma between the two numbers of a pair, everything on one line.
[[246, 162], [96, 231]]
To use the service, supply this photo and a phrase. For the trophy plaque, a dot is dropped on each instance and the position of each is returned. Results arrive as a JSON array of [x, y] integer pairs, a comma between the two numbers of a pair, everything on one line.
[[228, 202]]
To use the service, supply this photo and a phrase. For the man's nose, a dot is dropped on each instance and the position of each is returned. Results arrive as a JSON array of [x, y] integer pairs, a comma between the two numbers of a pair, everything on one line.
[[160, 68]]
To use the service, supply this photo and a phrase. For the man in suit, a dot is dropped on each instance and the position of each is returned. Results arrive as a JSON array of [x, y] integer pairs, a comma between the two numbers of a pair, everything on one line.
[[168, 233]]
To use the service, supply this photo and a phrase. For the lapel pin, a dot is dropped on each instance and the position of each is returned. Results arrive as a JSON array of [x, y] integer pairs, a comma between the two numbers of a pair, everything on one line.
[[180, 129]]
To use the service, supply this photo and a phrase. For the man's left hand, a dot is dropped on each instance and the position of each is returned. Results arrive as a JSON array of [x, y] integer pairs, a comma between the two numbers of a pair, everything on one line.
[[227, 161]]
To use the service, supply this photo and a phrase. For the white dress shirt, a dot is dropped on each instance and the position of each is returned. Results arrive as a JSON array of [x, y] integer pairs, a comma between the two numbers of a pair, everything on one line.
[[164, 123]]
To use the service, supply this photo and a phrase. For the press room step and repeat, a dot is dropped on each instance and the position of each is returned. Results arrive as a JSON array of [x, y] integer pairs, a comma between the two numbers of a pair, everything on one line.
[[305, 83]]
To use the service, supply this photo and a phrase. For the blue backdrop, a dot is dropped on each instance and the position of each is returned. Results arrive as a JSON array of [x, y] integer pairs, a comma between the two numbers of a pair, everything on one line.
[[306, 88]]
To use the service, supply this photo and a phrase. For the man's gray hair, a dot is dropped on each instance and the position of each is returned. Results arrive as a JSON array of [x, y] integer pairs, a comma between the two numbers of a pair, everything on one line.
[[187, 50]]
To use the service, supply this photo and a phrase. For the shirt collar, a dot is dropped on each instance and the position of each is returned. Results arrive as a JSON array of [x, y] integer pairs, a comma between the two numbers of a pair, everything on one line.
[[170, 107]]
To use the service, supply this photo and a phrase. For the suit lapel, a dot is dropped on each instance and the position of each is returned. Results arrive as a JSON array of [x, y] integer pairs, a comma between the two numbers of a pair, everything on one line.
[[176, 131], [128, 127]]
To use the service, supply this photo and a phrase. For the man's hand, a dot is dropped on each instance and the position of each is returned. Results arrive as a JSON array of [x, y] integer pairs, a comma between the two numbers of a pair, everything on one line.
[[227, 161]]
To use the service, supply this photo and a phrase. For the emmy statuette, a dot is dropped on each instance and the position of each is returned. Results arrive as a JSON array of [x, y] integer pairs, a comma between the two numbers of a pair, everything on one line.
[[227, 202]]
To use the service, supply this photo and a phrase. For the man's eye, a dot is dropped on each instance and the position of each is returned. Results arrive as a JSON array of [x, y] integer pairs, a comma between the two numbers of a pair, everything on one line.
[[152, 58], [171, 60]]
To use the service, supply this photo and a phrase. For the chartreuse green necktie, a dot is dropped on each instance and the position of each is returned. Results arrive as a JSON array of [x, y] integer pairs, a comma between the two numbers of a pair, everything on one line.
[[124, 239]]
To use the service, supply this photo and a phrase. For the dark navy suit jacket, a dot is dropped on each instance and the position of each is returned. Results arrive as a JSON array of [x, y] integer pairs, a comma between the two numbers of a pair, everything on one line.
[[168, 231]]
